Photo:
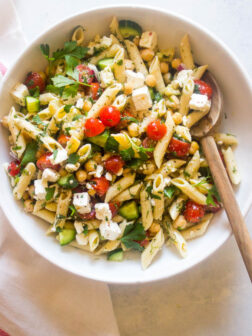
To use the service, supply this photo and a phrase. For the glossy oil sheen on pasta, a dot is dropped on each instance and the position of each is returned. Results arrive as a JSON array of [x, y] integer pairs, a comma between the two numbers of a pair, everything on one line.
[[102, 144]]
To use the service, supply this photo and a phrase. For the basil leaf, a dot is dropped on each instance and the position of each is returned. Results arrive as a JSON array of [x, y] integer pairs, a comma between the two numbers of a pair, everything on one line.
[[49, 193], [132, 234], [67, 108], [127, 154], [169, 191], [70, 91], [73, 158], [111, 145]]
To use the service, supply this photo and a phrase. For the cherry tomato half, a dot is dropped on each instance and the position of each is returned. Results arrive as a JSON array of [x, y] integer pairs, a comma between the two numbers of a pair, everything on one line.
[[33, 80], [179, 147], [14, 168], [114, 208], [193, 211], [156, 130], [93, 127], [95, 90], [44, 162], [110, 116], [203, 88], [114, 164], [62, 139], [100, 185], [86, 75]]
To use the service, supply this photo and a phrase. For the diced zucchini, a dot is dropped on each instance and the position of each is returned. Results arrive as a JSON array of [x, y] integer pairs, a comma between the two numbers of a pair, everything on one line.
[[30, 153], [66, 236], [116, 255], [103, 63], [129, 210], [100, 139], [68, 182], [32, 104], [129, 29]]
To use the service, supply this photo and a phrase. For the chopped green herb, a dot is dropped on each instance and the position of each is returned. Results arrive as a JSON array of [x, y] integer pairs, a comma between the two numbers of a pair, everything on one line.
[[169, 191], [77, 117], [73, 210], [85, 229], [36, 119], [132, 234], [67, 108], [111, 145], [132, 119], [127, 154], [213, 193], [73, 158], [55, 153], [49, 193]]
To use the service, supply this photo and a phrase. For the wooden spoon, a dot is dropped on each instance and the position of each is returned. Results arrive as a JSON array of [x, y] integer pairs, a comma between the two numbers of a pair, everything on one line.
[[223, 184]]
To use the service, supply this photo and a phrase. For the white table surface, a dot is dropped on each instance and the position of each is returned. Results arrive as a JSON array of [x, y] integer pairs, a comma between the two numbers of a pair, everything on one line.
[[215, 297]]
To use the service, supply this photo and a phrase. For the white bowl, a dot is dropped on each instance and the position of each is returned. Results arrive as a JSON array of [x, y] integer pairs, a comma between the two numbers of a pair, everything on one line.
[[236, 89]]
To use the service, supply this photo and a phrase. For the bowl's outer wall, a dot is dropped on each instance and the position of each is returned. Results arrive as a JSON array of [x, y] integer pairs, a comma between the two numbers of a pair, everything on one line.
[[237, 120]]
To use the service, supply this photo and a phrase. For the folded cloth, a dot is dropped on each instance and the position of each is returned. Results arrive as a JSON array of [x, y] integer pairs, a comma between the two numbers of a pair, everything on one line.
[[36, 297]]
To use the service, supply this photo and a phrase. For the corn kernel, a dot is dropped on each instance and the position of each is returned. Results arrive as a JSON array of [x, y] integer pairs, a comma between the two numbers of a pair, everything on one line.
[[194, 147]]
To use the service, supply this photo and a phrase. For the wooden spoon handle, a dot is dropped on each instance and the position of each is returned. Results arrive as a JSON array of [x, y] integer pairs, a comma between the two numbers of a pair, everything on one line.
[[228, 199]]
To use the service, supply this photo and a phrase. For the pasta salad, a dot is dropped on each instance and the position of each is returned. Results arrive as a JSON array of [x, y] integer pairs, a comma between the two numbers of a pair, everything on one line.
[[102, 145]]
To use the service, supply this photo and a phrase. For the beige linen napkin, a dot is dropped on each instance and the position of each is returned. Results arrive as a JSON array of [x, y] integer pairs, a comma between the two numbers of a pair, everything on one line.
[[37, 298]]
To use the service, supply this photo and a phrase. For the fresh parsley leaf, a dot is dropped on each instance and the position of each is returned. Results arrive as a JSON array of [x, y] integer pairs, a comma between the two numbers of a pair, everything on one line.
[[71, 63], [61, 81], [67, 108], [73, 158], [157, 96], [54, 89], [213, 194], [127, 154], [58, 229], [70, 91], [77, 117], [55, 152], [120, 62], [36, 119], [132, 234], [35, 92], [169, 191], [49, 193], [45, 50], [111, 145]]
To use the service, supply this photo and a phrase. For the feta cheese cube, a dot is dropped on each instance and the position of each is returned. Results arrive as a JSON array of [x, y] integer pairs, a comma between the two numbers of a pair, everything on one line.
[[81, 239], [108, 176], [183, 77], [148, 40], [106, 77], [40, 191], [78, 226], [61, 156], [141, 98], [102, 211], [98, 172], [199, 102], [50, 175], [19, 92], [105, 42], [110, 230], [80, 103], [135, 79], [81, 201]]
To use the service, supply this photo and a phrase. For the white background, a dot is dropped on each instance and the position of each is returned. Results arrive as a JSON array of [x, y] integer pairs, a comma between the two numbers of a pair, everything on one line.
[[215, 297]]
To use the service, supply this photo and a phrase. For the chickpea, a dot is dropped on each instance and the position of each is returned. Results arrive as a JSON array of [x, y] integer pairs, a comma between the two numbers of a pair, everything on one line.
[[164, 67], [149, 168], [155, 227], [194, 147], [87, 105], [90, 166], [177, 118], [128, 88], [147, 54], [97, 157], [28, 205], [176, 62], [133, 129], [26, 195], [167, 78], [81, 175], [129, 65], [151, 80]]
